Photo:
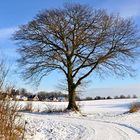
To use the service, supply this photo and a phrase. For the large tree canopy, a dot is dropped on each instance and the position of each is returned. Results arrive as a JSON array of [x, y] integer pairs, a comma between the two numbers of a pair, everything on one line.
[[77, 41]]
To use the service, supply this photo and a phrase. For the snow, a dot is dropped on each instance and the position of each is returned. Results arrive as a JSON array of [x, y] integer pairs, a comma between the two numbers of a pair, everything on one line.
[[99, 120]]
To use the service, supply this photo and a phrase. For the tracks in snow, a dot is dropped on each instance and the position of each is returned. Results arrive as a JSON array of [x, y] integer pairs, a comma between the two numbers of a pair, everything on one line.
[[108, 130], [85, 128], [98, 130]]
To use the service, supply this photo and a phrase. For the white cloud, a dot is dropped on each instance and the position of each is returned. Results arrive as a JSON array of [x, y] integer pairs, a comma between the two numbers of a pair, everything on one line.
[[131, 9], [126, 8], [5, 33]]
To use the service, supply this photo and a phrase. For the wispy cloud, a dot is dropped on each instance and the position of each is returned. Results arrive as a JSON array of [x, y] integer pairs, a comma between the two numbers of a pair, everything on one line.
[[5, 33], [126, 8], [7, 46], [129, 9]]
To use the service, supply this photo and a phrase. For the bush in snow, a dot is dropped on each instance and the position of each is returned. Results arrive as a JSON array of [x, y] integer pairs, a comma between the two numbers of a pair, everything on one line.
[[11, 127], [50, 108], [135, 107], [27, 108]]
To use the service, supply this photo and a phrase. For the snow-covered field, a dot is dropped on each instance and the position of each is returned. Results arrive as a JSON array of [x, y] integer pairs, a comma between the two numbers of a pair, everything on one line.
[[100, 120]]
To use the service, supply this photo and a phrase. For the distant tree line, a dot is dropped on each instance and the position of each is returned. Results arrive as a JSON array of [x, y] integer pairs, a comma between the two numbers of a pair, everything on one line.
[[42, 95], [22, 92], [109, 97]]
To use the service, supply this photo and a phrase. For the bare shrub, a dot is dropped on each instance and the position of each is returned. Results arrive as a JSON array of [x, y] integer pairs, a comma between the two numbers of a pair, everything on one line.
[[135, 107], [38, 109], [50, 108], [28, 107], [11, 127], [4, 69]]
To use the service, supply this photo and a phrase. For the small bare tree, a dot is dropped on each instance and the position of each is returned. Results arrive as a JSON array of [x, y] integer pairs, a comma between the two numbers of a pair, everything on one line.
[[77, 41], [11, 127], [4, 69]]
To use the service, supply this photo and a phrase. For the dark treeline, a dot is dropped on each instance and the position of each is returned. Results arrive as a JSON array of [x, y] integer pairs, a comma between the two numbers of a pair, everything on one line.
[[50, 95], [22, 92], [109, 97], [42, 95]]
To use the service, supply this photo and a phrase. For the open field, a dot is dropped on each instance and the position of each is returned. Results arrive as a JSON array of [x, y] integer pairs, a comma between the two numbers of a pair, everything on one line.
[[99, 120]]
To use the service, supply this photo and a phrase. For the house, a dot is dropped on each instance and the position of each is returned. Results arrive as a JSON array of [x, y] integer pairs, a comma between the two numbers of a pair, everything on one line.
[[24, 98], [18, 97], [35, 98], [21, 98], [54, 99], [47, 100], [62, 99]]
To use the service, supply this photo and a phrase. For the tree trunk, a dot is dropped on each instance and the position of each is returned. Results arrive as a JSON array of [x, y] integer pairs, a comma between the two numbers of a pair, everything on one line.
[[72, 103], [71, 87]]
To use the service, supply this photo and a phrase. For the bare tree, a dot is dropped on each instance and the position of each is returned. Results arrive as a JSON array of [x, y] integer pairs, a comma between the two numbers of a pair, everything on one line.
[[77, 41], [4, 69]]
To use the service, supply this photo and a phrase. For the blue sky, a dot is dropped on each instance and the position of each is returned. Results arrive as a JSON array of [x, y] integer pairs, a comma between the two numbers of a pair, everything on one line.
[[17, 12]]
